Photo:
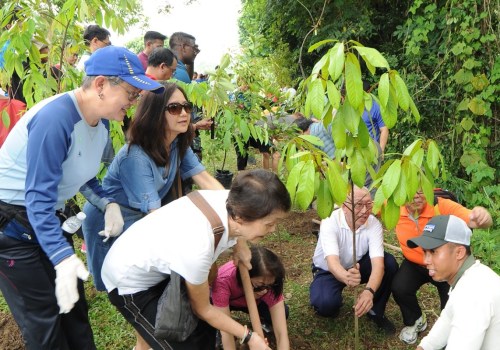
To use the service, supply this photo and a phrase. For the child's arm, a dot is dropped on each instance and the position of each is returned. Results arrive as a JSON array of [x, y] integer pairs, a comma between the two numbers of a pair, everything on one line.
[[278, 318]]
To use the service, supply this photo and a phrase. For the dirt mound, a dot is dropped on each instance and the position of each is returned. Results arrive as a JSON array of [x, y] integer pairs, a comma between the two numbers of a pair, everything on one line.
[[10, 336]]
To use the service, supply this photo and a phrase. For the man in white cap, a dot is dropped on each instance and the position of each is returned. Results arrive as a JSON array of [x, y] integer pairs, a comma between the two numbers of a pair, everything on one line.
[[471, 318]]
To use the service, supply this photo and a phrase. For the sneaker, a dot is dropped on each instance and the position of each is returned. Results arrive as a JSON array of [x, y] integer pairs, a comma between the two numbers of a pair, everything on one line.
[[383, 323], [409, 334]]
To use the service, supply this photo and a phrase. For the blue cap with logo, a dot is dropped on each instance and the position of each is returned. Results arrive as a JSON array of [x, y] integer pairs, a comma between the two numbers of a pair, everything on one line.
[[440, 230], [120, 62]]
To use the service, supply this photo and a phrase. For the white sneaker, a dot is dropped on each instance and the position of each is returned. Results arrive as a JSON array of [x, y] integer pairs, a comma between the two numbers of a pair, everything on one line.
[[409, 334]]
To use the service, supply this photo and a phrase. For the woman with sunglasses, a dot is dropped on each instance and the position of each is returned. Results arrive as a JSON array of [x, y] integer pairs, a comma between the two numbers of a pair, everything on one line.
[[144, 171], [142, 176], [267, 276]]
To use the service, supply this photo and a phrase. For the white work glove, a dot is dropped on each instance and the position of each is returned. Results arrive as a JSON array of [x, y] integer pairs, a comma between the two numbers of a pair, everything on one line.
[[67, 272], [113, 221]]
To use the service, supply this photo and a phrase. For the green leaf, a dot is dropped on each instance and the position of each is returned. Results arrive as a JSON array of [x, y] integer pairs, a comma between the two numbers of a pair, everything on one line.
[[316, 97], [5, 119], [358, 168], [399, 195], [467, 123], [379, 200], [433, 158], [354, 84], [305, 188], [293, 180], [350, 116], [477, 106], [414, 147], [480, 82], [319, 43], [383, 89], [372, 56], [338, 186], [333, 94], [414, 111], [363, 134], [316, 141], [391, 214], [324, 198], [318, 66], [427, 185], [412, 184], [418, 158], [337, 59], [402, 93], [391, 178], [338, 131]]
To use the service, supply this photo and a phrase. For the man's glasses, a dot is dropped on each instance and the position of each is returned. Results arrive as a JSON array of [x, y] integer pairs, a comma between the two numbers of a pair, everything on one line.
[[133, 96], [176, 108], [107, 43], [360, 205], [263, 287]]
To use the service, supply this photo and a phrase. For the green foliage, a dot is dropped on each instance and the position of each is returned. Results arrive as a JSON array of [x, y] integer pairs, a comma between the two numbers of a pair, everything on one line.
[[58, 25], [312, 174]]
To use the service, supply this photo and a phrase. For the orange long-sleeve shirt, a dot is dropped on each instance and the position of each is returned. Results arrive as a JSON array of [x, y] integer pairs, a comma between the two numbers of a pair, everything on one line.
[[409, 227]]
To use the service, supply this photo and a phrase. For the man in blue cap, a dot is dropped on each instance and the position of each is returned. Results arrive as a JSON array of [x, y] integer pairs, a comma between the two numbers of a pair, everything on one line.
[[471, 318], [53, 152]]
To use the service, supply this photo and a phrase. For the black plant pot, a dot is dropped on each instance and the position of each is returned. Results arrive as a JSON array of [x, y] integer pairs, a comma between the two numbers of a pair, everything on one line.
[[225, 177]]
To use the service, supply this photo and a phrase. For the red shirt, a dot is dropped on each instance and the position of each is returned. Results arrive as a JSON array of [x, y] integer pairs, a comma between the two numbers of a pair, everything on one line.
[[144, 59]]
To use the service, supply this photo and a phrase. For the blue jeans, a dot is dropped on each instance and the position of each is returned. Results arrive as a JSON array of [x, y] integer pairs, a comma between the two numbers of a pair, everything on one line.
[[96, 248], [326, 290]]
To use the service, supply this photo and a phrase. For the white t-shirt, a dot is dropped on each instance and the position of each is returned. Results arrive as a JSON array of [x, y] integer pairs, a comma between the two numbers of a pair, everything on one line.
[[335, 238], [175, 237]]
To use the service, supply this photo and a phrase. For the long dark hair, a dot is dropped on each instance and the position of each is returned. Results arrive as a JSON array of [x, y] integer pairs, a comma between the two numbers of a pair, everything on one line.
[[149, 127], [255, 194], [266, 263]]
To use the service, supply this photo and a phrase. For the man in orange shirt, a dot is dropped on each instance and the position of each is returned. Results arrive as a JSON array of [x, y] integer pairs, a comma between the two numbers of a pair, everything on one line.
[[412, 273]]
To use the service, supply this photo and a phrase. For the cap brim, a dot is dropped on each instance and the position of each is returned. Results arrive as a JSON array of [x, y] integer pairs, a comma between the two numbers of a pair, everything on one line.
[[425, 242], [142, 82]]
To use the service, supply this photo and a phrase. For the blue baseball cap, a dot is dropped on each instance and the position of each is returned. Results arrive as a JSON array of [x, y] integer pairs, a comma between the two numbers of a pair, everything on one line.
[[120, 62]]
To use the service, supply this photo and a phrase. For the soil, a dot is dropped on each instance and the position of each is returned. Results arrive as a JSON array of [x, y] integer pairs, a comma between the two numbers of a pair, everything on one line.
[[10, 336]]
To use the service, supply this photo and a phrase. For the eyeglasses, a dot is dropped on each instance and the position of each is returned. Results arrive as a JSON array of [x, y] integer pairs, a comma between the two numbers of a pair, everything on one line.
[[263, 287], [359, 206], [107, 43], [176, 108], [133, 96]]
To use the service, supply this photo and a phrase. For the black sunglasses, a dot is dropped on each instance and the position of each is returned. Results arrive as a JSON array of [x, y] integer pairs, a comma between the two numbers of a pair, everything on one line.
[[263, 287], [176, 108]]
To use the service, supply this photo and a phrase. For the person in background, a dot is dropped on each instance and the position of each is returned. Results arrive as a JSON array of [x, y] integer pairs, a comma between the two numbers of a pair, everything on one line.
[[40, 168], [333, 267], [152, 40], [195, 76], [94, 38], [471, 318], [162, 64], [179, 237], [267, 276], [412, 274], [374, 122]]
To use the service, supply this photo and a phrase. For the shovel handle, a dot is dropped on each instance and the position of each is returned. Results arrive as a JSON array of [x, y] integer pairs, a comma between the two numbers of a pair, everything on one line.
[[250, 299]]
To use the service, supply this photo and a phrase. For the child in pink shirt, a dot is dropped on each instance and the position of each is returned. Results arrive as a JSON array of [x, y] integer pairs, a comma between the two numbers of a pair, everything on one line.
[[267, 276]]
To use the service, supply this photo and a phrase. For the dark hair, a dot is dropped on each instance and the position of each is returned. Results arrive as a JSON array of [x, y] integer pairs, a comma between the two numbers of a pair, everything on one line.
[[94, 31], [152, 35], [161, 55], [303, 123], [179, 38], [255, 194], [149, 126], [266, 263]]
